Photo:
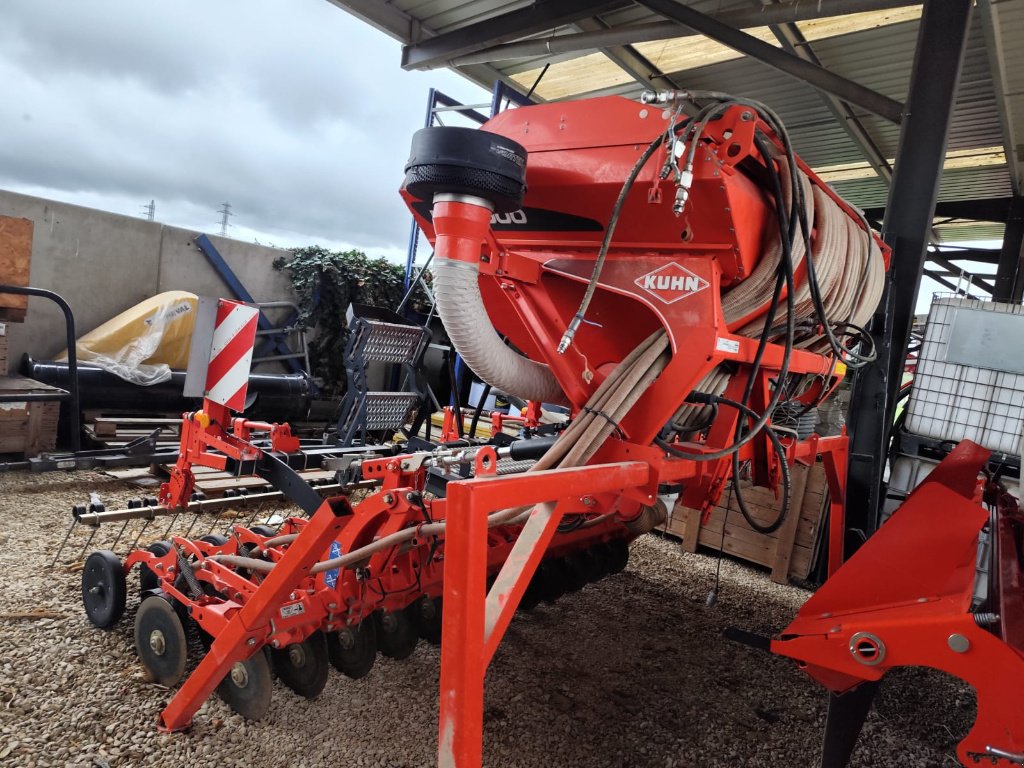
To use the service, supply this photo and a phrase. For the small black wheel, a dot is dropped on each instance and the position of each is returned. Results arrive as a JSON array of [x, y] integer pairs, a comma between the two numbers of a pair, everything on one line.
[[429, 609], [104, 588], [618, 555], [353, 650], [532, 594], [303, 666], [397, 633], [574, 566], [551, 575], [247, 686], [160, 641], [598, 556], [264, 530], [148, 581], [217, 539]]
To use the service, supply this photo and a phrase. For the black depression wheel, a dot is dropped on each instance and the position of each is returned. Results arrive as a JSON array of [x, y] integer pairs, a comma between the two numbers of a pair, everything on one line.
[[247, 686], [597, 562], [264, 530], [467, 161], [160, 641], [303, 666], [104, 588], [618, 555], [397, 633], [148, 581], [429, 610], [353, 650], [551, 580], [575, 569], [217, 539]]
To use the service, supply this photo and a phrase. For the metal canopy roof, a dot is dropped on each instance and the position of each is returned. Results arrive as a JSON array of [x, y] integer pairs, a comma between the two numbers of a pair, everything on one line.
[[558, 49]]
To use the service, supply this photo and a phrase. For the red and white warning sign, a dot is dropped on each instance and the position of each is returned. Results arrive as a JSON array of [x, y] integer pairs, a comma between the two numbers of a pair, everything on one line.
[[671, 282], [234, 335]]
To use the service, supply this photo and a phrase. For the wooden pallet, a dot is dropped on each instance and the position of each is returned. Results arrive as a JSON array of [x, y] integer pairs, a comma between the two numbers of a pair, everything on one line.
[[789, 552], [27, 427]]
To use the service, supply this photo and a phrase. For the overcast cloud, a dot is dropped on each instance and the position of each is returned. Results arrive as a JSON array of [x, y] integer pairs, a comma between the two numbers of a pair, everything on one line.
[[295, 112]]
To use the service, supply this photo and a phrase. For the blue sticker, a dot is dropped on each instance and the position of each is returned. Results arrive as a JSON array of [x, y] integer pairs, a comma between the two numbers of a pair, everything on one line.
[[331, 576]]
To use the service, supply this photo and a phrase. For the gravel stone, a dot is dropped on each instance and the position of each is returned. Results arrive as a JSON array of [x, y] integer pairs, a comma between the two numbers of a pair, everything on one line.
[[632, 671]]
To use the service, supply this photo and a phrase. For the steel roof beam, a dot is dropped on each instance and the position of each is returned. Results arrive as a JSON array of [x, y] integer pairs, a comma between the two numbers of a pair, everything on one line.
[[816, 76], [793, 40], [629, 59], [437, 51], [938, 278], [978, 281], [986, 209], [1010, 272], [997, 66], [781, 13]]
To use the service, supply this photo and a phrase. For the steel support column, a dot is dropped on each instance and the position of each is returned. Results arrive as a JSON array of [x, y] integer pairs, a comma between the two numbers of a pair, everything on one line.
[[1010, 272], [941, 42]]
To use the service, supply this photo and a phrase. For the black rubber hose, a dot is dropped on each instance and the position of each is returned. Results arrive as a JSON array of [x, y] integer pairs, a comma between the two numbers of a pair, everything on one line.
[[456, 406]]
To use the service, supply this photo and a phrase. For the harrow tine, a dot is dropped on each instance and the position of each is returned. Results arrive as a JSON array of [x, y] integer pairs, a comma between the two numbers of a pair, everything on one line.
[[142, 530], [170, 525], [117, 538], [64, 543], [87, 543], [192, 524]]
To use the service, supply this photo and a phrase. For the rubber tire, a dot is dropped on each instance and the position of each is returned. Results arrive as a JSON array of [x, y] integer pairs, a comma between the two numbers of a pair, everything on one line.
[[357, 661], [252, 701], [103, 570], [217, 539], [309, 679], [148, 581], [168, 668], [400, 642], [264, 530]]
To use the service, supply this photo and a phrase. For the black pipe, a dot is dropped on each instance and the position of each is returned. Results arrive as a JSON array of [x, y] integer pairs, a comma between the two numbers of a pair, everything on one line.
[[279, 397], [533, 448], [71, 378]]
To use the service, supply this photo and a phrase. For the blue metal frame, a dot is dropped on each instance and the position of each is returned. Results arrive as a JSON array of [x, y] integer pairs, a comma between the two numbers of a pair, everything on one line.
[[240, 292]]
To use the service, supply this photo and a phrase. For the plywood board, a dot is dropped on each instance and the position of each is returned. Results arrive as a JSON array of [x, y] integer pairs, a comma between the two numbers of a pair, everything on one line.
[[15, 264]]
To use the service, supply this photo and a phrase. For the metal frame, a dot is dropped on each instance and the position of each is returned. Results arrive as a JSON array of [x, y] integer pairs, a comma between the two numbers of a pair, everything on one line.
[[1010, 272], [285, 354], [71, 396]]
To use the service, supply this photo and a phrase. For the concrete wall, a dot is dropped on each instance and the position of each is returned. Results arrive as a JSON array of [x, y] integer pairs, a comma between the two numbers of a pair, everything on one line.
[[103, 263]]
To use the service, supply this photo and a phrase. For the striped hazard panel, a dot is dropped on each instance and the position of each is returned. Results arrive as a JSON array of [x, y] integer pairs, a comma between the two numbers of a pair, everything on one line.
[[234, 335]]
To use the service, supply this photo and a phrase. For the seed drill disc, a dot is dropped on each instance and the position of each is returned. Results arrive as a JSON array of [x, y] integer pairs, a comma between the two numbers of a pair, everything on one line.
[[352, 650], [531, 595], [599, 557], [303, 666], [247, 686], [575, 569], [551, 580], [160, 641], [148, 580], [103, 588], [430, 618], [397, 633], [618, 557]]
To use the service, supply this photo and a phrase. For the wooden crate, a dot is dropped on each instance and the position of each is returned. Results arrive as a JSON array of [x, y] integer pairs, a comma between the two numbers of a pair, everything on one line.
[[15, 263], [789, 552], [29, 428]]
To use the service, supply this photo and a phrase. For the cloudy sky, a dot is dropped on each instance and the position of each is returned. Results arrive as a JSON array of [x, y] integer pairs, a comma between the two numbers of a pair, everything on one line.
[[295, 112]]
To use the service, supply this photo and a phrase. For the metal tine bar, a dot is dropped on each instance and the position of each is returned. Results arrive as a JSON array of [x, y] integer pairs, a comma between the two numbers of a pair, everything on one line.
[[87, 543], [195, 520], [167, 531], [119, 535], [142, 530], [64, 543]]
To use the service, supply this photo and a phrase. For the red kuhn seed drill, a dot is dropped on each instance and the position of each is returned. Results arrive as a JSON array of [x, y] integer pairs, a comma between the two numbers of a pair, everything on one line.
[[684, 284]]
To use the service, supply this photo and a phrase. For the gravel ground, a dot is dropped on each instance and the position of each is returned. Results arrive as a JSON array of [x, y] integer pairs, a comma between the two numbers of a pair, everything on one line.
[[631, 671]]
